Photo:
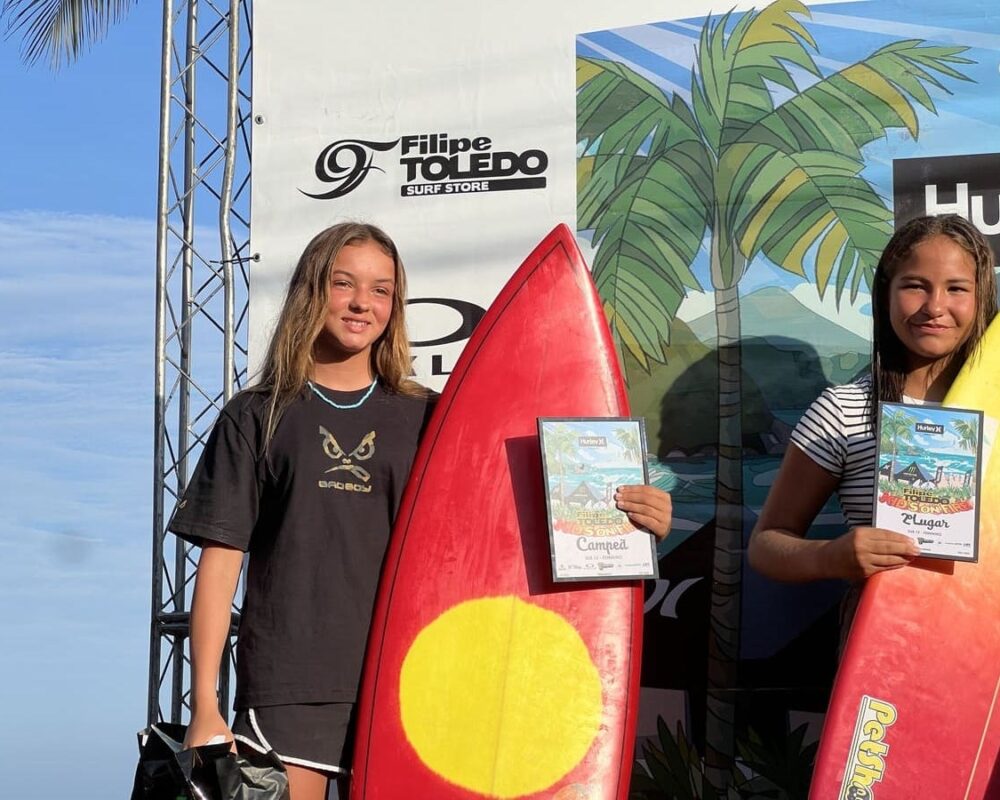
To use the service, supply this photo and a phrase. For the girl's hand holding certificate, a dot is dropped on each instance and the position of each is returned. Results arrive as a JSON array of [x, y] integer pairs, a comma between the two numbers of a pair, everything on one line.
[[647, 506]]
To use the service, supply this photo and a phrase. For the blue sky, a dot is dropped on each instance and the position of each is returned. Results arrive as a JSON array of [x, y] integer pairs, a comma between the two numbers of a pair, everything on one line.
[[77, 204]]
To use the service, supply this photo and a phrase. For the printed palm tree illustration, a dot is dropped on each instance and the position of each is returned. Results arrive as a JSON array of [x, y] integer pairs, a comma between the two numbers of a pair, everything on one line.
[[754, 177], [896, 427], [968, 433], [61, 29], [968, 439], [560, 441], [629, 440]]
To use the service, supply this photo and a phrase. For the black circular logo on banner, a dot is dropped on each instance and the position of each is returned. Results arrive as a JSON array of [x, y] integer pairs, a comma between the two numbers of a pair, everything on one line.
[[470, 313]]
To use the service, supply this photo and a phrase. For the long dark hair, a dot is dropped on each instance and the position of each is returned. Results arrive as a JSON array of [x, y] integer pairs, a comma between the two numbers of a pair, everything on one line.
[[888, 353]]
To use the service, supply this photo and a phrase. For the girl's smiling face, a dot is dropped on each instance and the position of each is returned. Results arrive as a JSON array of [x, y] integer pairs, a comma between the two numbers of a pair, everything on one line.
[[932, 300], [359, 302]]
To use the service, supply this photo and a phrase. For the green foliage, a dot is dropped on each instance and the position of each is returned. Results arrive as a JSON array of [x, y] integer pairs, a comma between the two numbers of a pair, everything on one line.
[[968, 433], [783, 204], [895, 427], [729, 84], [783, 181], [786, 764], [672, 769], [629, 440], [61, 29], [560, 442], [635, 184]]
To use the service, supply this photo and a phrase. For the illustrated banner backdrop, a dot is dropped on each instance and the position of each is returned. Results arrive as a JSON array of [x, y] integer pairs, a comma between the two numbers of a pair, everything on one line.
[[732, 174], [452, 125]]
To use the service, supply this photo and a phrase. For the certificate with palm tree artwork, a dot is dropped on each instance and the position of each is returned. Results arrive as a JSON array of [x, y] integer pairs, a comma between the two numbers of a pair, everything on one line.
[[928, 479], [584, 461]]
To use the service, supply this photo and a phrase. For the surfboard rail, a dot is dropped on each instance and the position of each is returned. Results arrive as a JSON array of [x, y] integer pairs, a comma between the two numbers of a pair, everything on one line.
[[913, 711], [549, 709]]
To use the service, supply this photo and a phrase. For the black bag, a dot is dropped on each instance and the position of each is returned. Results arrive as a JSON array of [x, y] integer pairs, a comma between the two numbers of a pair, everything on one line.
[[211, 772]]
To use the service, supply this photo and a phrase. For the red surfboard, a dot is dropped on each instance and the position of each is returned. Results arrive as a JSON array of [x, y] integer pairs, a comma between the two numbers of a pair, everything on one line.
[[914, 707], [483, 678]]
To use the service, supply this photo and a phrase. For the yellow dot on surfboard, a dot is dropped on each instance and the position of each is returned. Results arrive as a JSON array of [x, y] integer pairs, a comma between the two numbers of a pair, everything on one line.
[[500, 696]]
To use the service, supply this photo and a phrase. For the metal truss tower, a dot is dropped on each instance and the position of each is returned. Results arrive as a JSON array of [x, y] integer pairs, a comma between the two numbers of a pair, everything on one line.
[[202, 291]]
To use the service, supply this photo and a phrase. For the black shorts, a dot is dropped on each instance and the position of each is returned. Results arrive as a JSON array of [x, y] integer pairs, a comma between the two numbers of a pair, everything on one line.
[[314, 735]]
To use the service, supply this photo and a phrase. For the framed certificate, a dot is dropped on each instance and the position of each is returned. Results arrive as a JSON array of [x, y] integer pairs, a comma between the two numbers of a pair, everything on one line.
[[927, 484], [584, 460]]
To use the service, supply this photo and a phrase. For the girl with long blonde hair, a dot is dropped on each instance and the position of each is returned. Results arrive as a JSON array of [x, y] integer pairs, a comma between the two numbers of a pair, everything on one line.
[[304, 472]]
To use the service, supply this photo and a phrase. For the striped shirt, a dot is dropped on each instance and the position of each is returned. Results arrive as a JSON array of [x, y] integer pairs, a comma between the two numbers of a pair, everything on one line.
[[836, 433]]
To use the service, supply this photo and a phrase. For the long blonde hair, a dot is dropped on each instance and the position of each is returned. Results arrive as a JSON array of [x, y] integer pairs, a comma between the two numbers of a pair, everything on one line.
[[289, 361]]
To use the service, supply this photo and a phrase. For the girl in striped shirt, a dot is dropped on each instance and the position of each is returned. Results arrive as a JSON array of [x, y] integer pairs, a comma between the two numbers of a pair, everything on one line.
[[934, 295]]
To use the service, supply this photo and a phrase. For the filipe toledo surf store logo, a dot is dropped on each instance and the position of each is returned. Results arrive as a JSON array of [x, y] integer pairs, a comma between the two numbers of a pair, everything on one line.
[[866, 762], [431, 164]]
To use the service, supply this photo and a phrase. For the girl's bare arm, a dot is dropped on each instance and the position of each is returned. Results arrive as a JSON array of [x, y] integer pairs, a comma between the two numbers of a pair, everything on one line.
[[778, 547], [214, 587]]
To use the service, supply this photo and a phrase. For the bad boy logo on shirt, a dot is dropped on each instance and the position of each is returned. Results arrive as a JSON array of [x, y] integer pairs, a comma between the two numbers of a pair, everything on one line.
[[364, 451]]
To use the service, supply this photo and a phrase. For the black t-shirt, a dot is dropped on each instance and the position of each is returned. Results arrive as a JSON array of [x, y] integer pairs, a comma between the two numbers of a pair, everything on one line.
[[314, 515]]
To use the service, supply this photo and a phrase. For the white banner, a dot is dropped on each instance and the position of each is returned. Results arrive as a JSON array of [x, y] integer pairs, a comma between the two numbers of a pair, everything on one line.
[[450, 124]]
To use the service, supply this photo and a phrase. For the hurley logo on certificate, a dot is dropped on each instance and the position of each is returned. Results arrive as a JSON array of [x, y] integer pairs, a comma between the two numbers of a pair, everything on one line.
[[584, 460], [927, 486]]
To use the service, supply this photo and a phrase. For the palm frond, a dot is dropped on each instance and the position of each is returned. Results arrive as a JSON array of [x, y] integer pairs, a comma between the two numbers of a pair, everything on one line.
[[645, 189], [730, 88], [648, 228], [787, 204], [60, 29], [857, 105], [784, 181], [792, 180], [620, 112]]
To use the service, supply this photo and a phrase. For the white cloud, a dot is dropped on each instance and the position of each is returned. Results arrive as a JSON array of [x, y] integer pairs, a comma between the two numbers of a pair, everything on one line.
[[71, 281], [695, 304], [76, 358], [76, 355], [848, 315], [76, 372]]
